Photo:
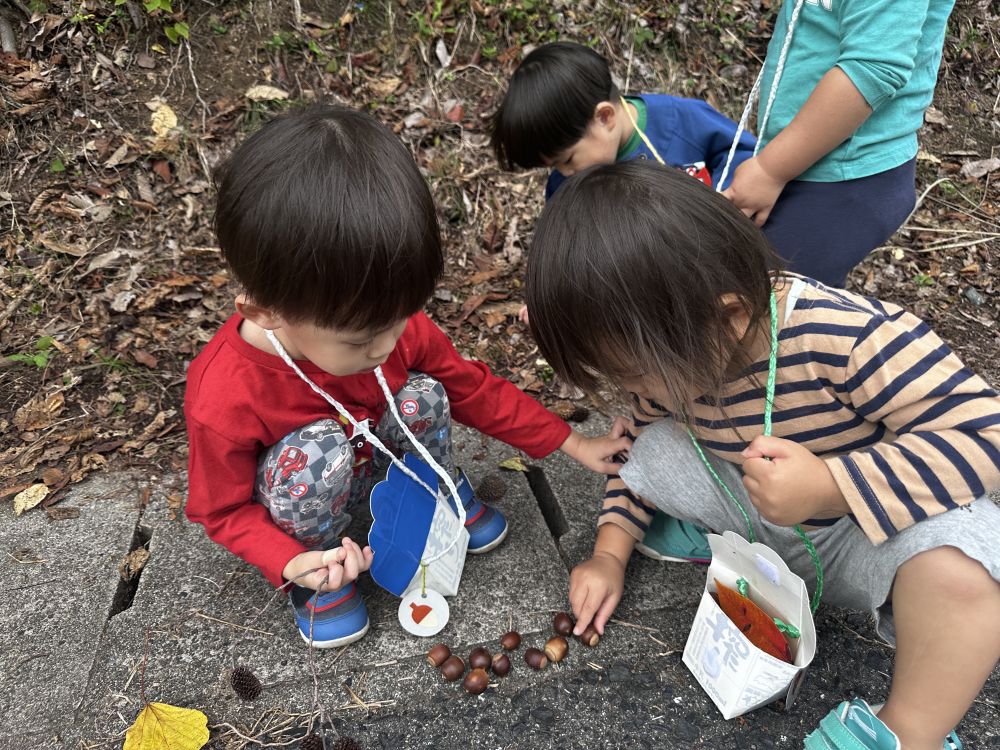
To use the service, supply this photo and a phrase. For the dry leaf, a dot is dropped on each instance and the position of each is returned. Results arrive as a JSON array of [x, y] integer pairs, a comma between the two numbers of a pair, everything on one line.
[[385, 86], [145, 358], [160, 725], [513, 464], [38, 413], [977, 169], [133, 563], [163, 119], [265, 93], [29, 498]]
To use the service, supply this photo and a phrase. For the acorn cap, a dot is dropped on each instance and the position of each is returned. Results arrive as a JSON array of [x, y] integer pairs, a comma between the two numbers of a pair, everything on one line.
[[245, 683]]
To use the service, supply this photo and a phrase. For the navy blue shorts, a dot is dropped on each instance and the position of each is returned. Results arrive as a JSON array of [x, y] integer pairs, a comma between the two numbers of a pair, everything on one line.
[[824, 229]]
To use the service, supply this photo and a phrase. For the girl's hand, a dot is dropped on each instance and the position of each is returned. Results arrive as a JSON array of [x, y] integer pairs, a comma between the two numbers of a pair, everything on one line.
[[599, 453], [595, 588], [754, 190], [340, 566], [791, 487]]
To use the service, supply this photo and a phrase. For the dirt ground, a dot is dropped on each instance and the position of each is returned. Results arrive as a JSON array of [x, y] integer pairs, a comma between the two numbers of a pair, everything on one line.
[[111, 281]]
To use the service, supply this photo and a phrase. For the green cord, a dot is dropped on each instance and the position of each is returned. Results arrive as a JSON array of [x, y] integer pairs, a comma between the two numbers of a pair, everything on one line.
[[772, 370]]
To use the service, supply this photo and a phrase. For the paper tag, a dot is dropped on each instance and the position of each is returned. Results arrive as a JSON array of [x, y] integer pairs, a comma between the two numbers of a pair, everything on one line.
[[768, 569], [423, 613]]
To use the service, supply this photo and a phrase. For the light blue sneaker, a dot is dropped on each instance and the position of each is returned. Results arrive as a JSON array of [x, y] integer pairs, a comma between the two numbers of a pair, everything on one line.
[[338, 617], [486, 525], [854, 726], [672, 540]]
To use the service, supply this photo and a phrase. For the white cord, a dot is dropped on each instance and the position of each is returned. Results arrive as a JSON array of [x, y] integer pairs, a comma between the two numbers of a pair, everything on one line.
[[755, 92], [370, 437]]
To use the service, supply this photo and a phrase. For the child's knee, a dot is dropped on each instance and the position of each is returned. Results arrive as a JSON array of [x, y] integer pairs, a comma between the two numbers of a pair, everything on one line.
[[308, 462], [950, 572]]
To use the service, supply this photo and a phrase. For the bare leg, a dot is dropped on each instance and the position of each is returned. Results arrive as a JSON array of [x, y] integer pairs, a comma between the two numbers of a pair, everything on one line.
[[946, 609]]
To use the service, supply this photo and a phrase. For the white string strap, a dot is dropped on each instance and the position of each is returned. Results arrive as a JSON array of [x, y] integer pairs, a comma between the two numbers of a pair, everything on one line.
[[376, 443], [755, 92]]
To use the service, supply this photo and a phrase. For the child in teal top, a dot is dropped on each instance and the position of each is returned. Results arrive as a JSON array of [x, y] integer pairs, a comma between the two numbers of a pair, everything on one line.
[[834, 176]]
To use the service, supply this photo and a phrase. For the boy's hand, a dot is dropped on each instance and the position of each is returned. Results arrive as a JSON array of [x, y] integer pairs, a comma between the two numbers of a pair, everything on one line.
[[598, 454], [754, 190], [595, 588], [340, 566], [793, 486]]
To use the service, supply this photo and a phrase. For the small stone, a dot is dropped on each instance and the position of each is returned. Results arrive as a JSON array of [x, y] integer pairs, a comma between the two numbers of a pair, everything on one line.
[[733, 72], [974, 296]]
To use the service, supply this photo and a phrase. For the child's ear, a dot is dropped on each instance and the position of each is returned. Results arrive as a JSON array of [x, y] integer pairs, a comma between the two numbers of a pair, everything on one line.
[[606, 115], [265, 317], [737, 314]]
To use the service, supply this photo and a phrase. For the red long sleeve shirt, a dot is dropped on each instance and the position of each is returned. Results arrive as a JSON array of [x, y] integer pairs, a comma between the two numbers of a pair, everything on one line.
[[241, 400]]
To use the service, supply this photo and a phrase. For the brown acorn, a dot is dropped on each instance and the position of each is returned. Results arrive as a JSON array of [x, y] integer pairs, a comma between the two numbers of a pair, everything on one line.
[[555, 648], [589, 636], [562, 623], [245, 683], [476, 681], [453, 668], [510, 641], [438, 655], [501, 665], [480, 658], [535, 659]]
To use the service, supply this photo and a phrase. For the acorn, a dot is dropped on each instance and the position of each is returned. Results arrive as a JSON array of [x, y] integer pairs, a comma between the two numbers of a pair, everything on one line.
[[510, 641], [535, 659], [453, 668], [555, 648], [476, 681], [245, 683], [589, 636], [500, 665], [562, 623], [438, 655], [480, 658]]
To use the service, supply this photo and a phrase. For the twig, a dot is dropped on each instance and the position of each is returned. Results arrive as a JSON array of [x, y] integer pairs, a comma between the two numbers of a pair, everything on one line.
[[197, 92], [199, 613], [633, 625]]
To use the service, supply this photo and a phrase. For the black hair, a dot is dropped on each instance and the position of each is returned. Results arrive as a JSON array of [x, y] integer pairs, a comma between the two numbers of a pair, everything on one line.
[[627, 276], [549, 103], [324, 217]]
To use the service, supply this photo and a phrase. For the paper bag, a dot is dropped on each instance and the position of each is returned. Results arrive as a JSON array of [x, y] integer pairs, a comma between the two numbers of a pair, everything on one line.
[[738, 676], [410, 526]]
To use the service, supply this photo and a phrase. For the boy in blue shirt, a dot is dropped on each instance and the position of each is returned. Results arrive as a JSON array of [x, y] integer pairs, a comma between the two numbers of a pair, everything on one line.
[[563, 111]]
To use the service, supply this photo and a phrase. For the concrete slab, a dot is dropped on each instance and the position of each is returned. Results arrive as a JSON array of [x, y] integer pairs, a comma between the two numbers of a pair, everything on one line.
[[59, 583]]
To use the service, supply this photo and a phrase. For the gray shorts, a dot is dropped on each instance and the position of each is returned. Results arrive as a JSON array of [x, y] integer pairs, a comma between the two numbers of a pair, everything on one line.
[[665, 470]]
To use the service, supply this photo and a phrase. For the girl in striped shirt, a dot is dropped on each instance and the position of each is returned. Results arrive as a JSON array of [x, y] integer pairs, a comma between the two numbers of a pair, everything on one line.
[[882, 444]]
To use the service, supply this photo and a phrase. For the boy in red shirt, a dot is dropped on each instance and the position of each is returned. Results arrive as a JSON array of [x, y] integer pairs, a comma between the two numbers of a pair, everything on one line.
[[324, 219]]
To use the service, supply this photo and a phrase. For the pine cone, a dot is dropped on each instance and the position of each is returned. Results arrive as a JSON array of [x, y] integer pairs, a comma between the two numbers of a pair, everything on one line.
[[491, 488], [346, 743], [245, 683], [311, 742]]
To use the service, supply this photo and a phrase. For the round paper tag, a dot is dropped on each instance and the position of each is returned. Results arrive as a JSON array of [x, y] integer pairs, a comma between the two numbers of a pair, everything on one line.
[[423, 613]]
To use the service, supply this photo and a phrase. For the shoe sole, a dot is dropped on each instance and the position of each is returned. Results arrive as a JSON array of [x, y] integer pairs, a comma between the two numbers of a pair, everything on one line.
[[334, 643], [651, 553], [492, 545]]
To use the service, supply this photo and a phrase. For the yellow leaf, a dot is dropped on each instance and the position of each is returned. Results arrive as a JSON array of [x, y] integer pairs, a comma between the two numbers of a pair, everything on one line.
[[513, 464], [160, 726], [29, 498], [264, 93]]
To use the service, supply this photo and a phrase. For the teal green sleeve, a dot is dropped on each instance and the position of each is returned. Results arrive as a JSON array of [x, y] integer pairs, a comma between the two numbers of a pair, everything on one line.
[[878, 44]]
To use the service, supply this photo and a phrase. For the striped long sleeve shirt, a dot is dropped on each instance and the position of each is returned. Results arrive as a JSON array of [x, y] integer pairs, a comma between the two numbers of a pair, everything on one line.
[[905, 428]]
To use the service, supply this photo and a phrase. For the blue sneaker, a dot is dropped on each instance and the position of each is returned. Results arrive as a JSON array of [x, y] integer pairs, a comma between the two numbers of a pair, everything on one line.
[[486, 525], [854, 726], [672, 540], [338, 617]]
